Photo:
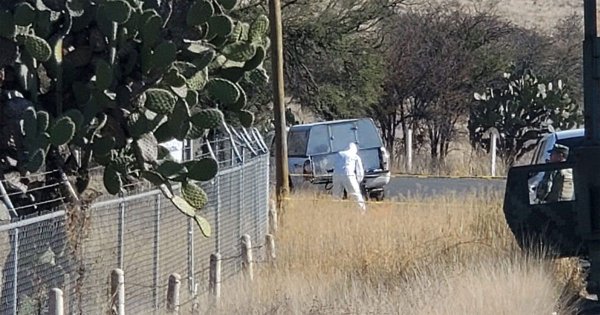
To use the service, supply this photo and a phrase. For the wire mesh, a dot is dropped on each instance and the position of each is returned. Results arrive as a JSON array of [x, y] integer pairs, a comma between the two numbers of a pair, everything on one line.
[[140, 232]]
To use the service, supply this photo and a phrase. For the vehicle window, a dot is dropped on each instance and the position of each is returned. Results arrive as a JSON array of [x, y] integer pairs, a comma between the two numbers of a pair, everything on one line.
[[536, 154], [342, 134], [318, 142], [368, 136], [540, 157], [297, 143]]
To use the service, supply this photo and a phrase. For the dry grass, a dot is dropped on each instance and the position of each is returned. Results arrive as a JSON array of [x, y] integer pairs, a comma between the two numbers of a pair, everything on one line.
[[443, 256], [462, 160]]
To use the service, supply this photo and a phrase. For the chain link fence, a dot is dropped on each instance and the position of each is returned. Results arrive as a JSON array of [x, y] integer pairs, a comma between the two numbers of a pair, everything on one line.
[[141, 232]]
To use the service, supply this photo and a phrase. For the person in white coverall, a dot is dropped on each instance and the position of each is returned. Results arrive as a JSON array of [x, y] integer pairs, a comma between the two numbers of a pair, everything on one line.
[[348, 172]]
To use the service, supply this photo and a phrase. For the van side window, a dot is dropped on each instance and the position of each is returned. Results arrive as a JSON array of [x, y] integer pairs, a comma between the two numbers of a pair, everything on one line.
[[297, 143], [342, 135], [318, 142], [368, 136]]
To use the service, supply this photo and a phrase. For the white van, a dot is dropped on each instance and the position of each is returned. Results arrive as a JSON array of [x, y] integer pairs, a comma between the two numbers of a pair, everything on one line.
[[312, 147]]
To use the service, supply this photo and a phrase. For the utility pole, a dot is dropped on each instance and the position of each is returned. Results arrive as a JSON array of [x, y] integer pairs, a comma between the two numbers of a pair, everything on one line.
[[586, 179], [281, 158]]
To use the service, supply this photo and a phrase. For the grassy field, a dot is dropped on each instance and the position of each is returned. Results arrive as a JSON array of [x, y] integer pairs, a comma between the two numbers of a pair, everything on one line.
[[443, 256], [538, 14]]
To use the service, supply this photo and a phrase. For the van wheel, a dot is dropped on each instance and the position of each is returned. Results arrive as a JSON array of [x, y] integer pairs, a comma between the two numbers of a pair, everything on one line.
[[377, 195]]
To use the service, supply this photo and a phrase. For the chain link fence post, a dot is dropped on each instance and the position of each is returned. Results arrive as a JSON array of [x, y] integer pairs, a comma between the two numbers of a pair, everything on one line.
[[242, 194], [218, 215], [121, 232], [15, 269], [191, 271], [156, 254]]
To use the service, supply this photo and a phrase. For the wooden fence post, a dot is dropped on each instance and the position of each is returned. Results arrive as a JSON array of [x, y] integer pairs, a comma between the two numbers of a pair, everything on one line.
[[173, 293], [214, 281], [270, 248], [56, 304], [117, 291], [247, 264], [273, 218]]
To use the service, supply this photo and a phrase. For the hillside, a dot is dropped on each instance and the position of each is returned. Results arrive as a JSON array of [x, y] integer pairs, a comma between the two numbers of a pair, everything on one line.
[[540, 14]]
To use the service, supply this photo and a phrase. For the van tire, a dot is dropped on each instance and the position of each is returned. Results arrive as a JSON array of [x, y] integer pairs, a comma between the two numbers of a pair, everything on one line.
[[377, 195]]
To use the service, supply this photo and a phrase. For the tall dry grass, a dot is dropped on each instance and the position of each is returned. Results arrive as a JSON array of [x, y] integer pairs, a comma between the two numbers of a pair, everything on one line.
[[443, 256]]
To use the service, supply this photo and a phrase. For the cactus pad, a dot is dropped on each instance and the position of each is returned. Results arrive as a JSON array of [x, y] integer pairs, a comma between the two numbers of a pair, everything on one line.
[[24, 14], [191, 98], [256, 60], [117, 11], [199, 13], [223, 90], [183, 206], [121, 164], [164, 55], [241, 102], [258, 29], [259, 76], [203, 225], [246, 118], [208, 118], [7, 25], [62, 132], [228, 4], [239, 51], [36, 160], [203, 170], [30, 122], [219, 25], [151, 30], [37, 47], [43, 121], [137, 124], [103, 145], [8, 52], [147, 148], [112, 180], [194, 195], [198, 81], [160, 101], [204, 58], [104, 74]]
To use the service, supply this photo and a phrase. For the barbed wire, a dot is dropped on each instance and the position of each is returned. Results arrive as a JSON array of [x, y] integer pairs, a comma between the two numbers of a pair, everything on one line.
[[40, 203], [35, 189], [28, 176]]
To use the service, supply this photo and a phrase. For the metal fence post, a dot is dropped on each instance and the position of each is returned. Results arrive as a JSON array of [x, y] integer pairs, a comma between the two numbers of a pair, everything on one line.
[[15, 269], [173, 297], [255, 200], [117, 291], [56, 302], [121, 235], [218, 215], [214, 279], [242, 195], [247, 259], [191, 271], [156, 258], [7, 200]]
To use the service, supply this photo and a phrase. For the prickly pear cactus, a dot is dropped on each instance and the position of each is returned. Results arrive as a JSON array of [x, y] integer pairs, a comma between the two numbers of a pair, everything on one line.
[[113, 79]]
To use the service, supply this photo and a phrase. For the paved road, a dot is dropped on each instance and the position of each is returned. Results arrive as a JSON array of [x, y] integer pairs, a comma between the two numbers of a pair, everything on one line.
[[414, 186]]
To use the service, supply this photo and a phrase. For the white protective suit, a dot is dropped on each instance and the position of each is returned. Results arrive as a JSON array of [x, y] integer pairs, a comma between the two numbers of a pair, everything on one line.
[[348, 172]]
